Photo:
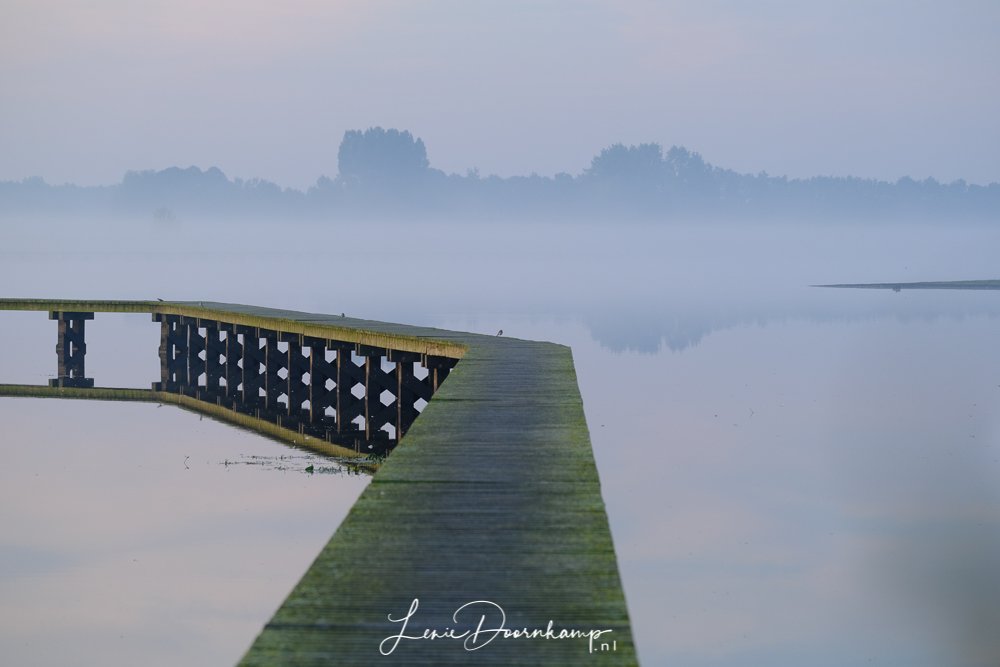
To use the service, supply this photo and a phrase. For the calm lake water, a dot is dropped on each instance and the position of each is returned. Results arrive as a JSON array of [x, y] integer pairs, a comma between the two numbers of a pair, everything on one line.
[[793, 475]]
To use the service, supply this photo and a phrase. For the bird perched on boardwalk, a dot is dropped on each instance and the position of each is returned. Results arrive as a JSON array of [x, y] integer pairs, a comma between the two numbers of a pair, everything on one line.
[[500, 333]]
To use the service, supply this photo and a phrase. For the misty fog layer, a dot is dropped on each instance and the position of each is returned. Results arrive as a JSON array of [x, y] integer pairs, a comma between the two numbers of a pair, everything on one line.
[[635, 288], [387, 174]]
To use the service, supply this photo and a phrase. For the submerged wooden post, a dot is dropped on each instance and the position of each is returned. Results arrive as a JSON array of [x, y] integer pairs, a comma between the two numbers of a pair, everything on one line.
[[71, 349]]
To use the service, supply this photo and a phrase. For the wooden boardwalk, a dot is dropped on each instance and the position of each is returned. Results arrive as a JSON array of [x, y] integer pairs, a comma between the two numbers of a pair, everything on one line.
[[492, 498]]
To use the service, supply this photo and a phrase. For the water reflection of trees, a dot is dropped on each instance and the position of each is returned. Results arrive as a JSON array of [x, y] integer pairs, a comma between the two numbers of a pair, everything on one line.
[[650, 328]]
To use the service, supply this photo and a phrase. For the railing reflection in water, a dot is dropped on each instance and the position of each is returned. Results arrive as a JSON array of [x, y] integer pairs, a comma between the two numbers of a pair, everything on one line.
[[358, 397]]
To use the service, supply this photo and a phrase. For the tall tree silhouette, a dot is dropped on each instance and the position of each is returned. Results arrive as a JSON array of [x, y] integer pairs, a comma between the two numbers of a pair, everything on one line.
[[380, 159]]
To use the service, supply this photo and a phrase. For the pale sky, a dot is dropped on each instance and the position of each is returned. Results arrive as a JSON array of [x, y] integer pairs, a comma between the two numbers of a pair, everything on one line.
[[878, 88]]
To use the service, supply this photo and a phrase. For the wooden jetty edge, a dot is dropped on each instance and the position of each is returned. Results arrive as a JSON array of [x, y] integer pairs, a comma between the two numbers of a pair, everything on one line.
[[947, 284], [492, 498]]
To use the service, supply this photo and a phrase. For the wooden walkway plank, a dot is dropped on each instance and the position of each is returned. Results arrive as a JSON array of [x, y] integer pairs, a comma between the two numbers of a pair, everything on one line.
[[493, 495]]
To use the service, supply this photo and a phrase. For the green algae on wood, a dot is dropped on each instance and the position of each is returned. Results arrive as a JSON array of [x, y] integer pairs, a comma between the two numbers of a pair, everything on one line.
[[351, 330]]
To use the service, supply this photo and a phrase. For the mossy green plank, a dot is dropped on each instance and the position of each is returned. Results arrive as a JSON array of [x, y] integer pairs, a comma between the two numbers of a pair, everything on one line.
[[494, 495]]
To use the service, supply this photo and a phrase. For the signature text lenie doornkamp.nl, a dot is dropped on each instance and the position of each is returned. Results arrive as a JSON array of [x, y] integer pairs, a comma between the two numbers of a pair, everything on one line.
[[492, 624]]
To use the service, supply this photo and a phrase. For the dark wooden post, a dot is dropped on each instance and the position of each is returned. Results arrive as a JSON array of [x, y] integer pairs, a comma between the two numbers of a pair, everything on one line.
[[274, 361], [373, 388], [214, 350], [71, 348], [254, 356], [408, 390], [232, 350], [439, 368], [320, 371], [173, 353], [349, 406], [196, 345], [297, 366]]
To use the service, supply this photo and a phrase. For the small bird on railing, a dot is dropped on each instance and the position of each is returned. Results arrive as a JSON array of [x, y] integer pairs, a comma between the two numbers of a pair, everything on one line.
[[500, 333]]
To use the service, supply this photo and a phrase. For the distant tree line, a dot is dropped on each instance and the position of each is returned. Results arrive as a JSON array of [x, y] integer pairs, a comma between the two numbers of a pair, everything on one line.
[[386, 173]]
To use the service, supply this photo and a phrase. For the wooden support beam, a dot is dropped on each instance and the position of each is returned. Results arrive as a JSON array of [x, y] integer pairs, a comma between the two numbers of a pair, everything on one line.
[[71, 349], [349, 374], [274, 362], [253, 358]]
